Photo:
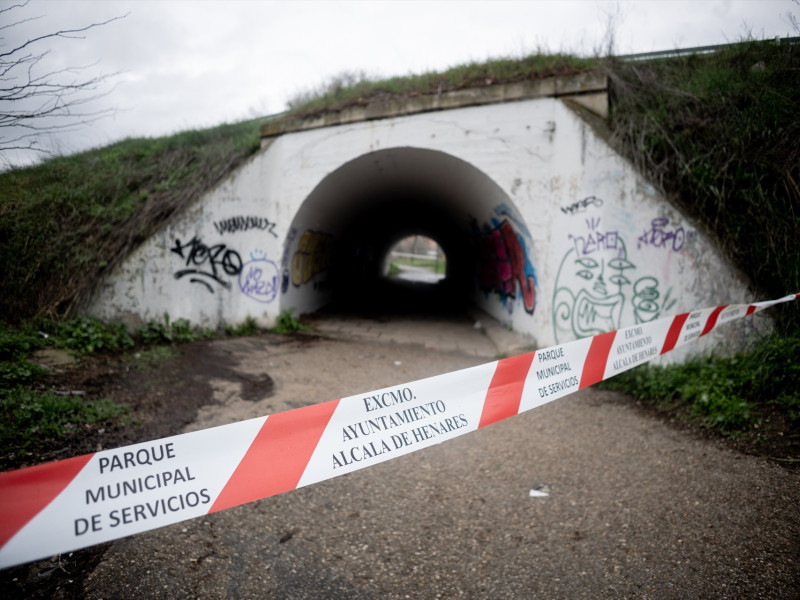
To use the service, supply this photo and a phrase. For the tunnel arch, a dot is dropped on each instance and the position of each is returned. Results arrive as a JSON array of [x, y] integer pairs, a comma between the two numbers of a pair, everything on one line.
[[339, 236]]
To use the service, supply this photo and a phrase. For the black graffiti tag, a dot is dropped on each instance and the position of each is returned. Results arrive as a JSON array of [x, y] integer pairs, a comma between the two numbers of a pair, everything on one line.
[[582, 205], [204, 261], [241, 223]]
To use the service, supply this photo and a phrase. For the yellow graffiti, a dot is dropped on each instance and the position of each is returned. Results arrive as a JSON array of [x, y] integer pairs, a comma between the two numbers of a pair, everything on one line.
[[312, 256]]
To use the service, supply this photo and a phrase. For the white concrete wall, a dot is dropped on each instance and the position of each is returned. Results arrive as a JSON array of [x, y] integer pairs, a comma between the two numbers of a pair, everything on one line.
[[603, 248]]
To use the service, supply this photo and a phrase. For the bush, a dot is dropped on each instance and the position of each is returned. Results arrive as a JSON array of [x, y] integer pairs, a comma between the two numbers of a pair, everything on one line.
[[87, 335], [286, 323]]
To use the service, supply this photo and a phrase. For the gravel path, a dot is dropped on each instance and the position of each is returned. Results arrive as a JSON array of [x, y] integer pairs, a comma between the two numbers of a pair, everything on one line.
[[636, 509]]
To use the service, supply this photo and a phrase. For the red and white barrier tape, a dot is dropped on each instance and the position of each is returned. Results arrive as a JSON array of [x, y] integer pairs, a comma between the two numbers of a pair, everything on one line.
[[70, 504]]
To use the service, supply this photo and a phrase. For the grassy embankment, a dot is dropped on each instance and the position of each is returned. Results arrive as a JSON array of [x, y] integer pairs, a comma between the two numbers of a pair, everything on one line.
[[717, 133]]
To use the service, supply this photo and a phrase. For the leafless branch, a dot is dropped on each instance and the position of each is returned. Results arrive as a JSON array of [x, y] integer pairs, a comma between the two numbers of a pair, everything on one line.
[[33, 103]]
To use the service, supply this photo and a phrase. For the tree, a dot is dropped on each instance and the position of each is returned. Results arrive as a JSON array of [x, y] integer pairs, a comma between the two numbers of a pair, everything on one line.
[[35, 100]]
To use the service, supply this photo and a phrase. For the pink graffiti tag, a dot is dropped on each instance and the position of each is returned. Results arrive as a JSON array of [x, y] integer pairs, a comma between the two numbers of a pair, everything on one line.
[[503, 265]]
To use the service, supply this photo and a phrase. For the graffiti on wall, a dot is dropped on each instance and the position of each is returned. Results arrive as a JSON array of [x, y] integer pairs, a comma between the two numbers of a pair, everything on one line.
[[661, 236], [258, 278], [245, 223], [219, 264], [504, 266], [582, 205], [598, 286], [205, 265], [595, 240], [311, 258]]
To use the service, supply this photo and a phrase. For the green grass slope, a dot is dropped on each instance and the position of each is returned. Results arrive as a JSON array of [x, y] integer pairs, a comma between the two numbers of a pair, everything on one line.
[[719, 133], [66, 221]]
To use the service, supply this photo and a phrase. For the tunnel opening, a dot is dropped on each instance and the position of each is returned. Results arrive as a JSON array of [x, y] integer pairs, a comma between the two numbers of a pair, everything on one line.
[[335, 252], [415, 258], [377, 221]]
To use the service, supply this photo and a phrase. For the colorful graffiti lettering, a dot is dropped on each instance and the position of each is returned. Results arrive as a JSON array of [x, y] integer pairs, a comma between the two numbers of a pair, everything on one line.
[[504, 264], [258, 278], [207, 263], [598, 288], [312, 256], [659, 237], [241, 223]]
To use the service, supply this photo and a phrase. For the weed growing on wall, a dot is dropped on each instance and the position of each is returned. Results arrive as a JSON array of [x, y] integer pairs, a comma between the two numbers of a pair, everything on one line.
[[168, 332], [87, 335], [246, 327], [287, 323]]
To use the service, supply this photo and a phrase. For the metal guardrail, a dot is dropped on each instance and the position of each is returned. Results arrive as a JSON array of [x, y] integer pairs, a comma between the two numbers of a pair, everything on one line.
[[699, 49]]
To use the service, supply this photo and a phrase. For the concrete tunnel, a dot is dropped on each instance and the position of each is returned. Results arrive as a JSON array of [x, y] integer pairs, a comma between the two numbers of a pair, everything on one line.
[[545, 226], [373, 201]]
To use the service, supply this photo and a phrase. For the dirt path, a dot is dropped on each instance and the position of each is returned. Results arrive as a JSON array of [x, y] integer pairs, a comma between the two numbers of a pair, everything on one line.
[[636, 509]]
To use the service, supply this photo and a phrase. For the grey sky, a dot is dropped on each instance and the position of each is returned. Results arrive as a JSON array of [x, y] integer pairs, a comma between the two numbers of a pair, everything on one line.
[[187, 64]]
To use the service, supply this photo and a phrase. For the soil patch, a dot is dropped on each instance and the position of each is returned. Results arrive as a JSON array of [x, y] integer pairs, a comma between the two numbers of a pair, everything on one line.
[[163, 390]]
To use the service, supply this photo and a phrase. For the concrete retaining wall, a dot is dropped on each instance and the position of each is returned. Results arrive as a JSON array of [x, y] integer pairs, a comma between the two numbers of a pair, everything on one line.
[[548, 229]]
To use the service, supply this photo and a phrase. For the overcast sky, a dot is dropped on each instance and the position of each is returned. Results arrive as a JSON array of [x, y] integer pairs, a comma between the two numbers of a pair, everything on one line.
[[191, 64]]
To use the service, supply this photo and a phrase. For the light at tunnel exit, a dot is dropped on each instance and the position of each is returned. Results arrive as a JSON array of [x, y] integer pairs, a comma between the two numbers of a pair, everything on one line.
[[416, 258]]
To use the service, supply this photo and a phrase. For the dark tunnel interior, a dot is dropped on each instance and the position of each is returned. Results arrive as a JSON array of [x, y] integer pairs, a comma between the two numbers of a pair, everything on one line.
[[376, 221]]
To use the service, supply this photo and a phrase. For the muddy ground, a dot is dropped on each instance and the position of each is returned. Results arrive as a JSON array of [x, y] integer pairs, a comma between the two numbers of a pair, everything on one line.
[[640, 504]]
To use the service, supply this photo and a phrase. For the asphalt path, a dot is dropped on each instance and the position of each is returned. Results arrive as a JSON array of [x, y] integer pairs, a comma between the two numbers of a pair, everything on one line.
[[623, 505], [418, 274]]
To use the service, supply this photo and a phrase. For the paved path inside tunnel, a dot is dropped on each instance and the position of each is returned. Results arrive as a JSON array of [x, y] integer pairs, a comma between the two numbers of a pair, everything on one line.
[[624, 506], [419, 274]]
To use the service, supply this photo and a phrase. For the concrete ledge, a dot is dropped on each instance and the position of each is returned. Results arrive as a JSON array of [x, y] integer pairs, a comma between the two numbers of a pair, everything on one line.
[[588, 83]]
